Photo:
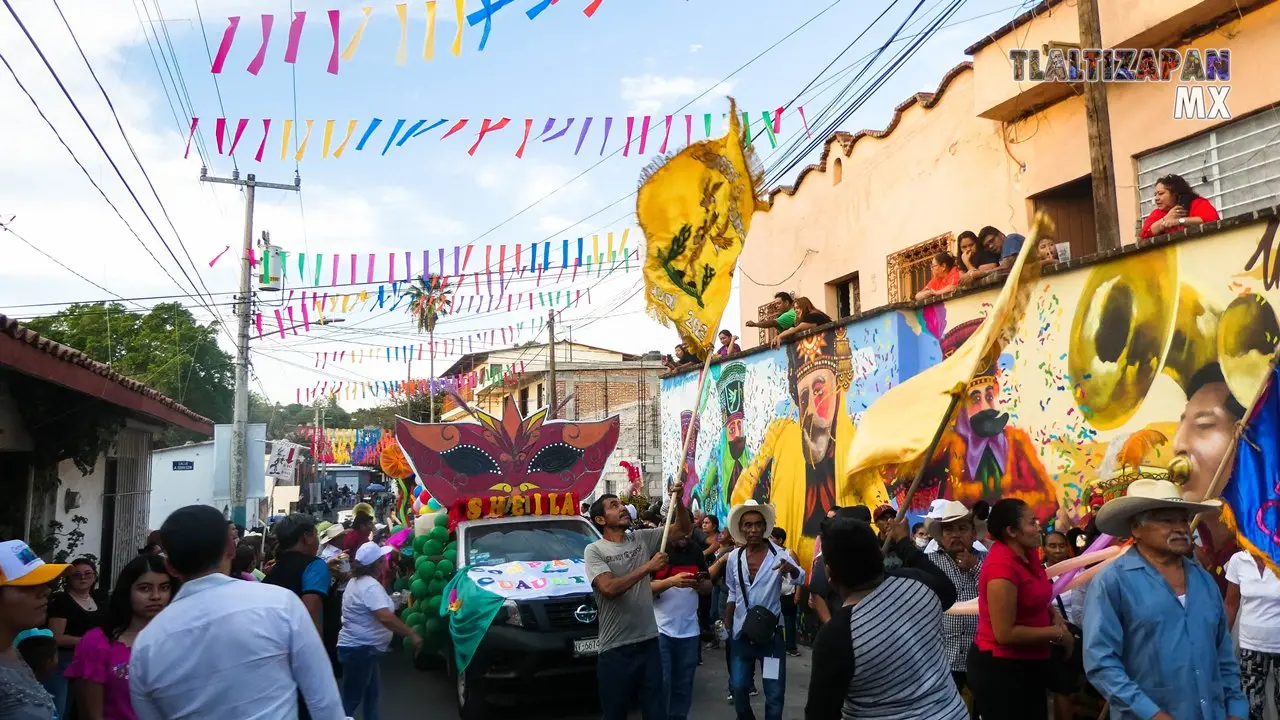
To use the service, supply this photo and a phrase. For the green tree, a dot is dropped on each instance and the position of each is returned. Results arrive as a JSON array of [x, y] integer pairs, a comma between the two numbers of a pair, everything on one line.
[[429, 300], [165, 349]]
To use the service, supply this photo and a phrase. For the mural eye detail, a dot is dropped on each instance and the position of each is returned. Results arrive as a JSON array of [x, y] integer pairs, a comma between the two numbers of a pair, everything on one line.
[[469, 460], [526, 487], [555, 458], [501, 487]]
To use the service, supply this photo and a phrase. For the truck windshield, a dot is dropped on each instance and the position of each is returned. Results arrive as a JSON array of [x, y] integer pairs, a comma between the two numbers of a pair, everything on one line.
[[504, 543]]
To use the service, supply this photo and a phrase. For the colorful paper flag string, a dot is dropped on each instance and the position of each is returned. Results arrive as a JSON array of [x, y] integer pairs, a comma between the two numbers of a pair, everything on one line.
[[638, 129]]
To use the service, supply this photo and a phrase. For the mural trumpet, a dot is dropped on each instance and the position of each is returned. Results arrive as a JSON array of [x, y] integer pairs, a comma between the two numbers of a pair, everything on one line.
[[1137, 320]]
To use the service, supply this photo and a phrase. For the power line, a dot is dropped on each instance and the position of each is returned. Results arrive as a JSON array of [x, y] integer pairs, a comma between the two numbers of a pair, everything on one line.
[[208, 53], [5, 226], [164, 210], [92, 132]]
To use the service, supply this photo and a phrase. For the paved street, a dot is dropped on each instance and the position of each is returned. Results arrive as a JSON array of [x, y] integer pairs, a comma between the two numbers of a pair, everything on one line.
[[408, 693]]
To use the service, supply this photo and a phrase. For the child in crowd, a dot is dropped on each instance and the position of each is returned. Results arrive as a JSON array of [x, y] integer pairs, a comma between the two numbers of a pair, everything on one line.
[[39, 652]]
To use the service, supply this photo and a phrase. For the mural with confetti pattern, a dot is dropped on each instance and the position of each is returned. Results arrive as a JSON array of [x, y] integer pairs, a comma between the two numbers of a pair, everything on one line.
[[1121, 364]]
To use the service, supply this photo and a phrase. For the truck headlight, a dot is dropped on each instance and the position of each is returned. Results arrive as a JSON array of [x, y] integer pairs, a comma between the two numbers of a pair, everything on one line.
[[511, 613]]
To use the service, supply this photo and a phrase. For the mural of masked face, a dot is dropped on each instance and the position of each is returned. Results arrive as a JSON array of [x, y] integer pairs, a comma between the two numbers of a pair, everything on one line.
[[983, 407], [732, 411], [818, 398]]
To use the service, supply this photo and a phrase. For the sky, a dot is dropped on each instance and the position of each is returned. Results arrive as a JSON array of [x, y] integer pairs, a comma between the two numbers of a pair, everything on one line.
[[631, 58]]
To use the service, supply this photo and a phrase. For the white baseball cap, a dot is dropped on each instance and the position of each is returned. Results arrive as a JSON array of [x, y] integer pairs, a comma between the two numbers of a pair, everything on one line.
[[21, 567], [370, 553]]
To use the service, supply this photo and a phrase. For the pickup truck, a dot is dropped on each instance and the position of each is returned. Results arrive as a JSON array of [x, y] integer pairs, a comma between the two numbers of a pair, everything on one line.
[[531, 642]]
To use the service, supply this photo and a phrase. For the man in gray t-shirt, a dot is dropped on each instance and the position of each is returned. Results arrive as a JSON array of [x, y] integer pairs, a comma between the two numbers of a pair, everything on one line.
[[619, 567]]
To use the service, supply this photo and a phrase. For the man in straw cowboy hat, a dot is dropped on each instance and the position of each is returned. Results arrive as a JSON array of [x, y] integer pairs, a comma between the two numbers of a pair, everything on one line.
[[1156, 641], [959, 556], [754, 609]]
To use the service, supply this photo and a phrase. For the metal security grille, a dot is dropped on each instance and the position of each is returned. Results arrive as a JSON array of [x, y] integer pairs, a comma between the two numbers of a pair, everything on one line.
[[1235, 166], [131, 497]]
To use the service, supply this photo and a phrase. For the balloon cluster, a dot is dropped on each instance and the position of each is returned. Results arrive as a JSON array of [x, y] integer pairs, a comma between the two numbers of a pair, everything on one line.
[[423, 503], [434, 552]]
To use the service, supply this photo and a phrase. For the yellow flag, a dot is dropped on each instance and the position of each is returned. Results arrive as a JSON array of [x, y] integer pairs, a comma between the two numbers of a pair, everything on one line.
[[695, 209], [899, 426]]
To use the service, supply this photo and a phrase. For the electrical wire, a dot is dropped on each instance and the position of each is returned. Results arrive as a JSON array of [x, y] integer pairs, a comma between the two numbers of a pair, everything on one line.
[[129, 144], [209, 53], [111, 161], [5, 226]]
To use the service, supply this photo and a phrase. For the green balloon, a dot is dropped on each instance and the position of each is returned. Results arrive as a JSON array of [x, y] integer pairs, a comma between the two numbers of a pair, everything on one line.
[[433, 547], [451, 549], [400, 584], [435, 587], [442, 520], [419, 588], [420, 628], [420, 542], [431, 606], [434, 504], [397, 529], [432, 626], [440, 534], [423, 566], [408, 646], [414, 617]]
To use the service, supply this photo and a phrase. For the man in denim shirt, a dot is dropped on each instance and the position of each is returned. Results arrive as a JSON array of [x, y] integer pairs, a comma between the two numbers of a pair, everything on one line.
[[1156, 642]]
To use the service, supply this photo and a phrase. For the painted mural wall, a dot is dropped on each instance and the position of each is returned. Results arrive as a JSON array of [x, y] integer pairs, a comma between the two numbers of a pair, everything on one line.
[[1119, 364]]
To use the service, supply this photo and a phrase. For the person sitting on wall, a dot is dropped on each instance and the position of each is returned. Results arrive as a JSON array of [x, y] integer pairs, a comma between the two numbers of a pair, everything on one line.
[[1177, 207], [945, 276], [785, 318], [974, 260], [728, 344], [680, 358], [1047, 250], [809, 318]]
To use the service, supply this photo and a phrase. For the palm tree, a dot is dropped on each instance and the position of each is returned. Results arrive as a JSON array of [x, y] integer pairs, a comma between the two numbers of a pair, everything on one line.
[[428, 301]]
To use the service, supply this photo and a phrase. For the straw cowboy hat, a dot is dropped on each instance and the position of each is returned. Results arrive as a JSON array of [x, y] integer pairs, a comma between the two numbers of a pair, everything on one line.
[[1142, 495], [735, 519], [945, 511], [328, 531]]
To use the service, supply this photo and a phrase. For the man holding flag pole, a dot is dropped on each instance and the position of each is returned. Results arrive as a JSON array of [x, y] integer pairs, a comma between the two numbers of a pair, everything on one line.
[[694, 208]]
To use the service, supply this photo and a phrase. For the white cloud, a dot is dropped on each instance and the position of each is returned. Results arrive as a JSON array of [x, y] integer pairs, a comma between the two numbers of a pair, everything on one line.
[[649, 94], [694, 48]]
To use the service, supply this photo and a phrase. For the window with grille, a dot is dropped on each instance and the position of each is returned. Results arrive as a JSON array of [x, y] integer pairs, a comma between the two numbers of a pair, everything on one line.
[[541, 392], [765, 312], [524, 401], [1235, 166], [908, 270], [848, 296]]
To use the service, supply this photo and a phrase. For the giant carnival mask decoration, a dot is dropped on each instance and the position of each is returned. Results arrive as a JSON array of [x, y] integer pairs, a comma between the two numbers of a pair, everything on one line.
[[508, 456]]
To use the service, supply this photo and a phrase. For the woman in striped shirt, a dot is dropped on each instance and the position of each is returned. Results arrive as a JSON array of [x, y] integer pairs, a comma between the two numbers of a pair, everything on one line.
[[881, 657]]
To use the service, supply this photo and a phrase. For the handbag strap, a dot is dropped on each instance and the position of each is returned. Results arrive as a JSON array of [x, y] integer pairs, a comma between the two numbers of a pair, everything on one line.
[[1061, 607]]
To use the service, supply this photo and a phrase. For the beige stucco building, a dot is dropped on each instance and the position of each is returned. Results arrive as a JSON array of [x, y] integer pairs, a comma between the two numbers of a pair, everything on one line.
[[855, 231]]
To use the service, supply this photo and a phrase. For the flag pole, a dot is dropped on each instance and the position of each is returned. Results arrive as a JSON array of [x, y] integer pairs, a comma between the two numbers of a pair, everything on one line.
[[682, 472], [928, 455]]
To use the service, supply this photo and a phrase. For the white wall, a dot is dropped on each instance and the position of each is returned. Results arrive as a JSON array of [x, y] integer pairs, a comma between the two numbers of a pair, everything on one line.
[[172, 489], [90, 487]]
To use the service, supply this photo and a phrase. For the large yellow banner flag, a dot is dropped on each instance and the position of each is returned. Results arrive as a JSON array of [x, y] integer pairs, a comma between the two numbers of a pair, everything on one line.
[[695, 209], [900, 425]]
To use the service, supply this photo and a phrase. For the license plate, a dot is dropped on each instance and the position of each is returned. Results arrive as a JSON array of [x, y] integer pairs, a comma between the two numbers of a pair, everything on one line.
[[586, 646]]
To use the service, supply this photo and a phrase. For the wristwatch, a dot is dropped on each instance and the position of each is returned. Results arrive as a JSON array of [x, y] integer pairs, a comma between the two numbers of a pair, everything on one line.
[[1182, 221]]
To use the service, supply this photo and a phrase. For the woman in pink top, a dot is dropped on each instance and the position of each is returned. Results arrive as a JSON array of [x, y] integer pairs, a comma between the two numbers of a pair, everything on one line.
[[100, 669]]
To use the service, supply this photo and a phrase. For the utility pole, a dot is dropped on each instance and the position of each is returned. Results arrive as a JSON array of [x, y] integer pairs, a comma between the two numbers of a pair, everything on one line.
[[551, 362], [408, 394], [1106, 214], [244, 306]]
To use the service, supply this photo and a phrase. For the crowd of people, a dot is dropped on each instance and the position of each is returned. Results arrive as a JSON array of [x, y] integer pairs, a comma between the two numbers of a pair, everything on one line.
[[1149, 636], [207, 622]]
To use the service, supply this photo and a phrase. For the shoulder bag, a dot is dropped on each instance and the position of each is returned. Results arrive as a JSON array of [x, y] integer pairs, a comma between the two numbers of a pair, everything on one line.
[[761, 624]]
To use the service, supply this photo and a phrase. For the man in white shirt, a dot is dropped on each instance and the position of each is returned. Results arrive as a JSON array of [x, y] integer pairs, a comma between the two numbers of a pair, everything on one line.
[[754, 580], [225, 648], [675, 608]]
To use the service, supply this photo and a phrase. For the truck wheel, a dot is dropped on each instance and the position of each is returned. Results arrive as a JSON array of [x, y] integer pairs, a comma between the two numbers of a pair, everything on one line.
[[468, 692]]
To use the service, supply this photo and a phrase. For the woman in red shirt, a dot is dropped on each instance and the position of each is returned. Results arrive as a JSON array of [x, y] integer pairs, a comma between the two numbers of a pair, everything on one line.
[[944, 275], [1177, 206], [1008, 663]]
